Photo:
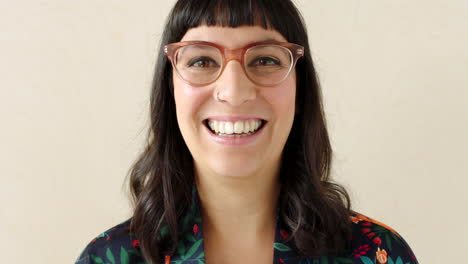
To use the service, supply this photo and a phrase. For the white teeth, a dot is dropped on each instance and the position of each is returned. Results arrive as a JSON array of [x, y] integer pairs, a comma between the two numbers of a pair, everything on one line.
[[238, 127], [221, 127], [253, 125], [246, 127], [211, 124], [228, 128]]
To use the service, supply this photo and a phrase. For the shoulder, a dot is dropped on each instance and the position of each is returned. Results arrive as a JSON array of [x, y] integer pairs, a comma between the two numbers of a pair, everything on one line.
[[375, 242], [115, 245]]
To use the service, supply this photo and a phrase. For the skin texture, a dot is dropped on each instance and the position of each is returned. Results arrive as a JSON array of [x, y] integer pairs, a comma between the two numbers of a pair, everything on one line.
[[238, 185]]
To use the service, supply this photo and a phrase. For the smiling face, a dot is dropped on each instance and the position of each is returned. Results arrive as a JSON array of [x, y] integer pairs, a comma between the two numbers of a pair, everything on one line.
[[234, 106]]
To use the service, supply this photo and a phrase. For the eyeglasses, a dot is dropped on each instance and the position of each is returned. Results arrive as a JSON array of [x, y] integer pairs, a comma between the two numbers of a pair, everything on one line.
[[201, 63]]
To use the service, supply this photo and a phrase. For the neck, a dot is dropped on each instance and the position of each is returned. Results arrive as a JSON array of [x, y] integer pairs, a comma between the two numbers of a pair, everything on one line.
[[238, 206]]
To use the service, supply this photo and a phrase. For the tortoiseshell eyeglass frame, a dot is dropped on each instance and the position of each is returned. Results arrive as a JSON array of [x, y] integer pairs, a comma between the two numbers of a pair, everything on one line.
[[296, 52]]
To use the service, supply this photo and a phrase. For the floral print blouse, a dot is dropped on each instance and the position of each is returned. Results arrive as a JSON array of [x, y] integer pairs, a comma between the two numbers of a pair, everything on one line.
[[372, 242]]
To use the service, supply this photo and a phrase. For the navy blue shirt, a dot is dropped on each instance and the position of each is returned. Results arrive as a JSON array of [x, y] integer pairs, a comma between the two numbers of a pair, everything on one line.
[[372, 242]]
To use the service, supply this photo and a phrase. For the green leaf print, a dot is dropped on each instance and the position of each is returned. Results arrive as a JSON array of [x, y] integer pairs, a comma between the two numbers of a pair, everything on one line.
[[390, 261], [181, 248], [379, 229], [281, 247], [366, 260], [343, 260], [193, 249], [163, 231], [97, 259], [389, 241], [399, 261], [193, 205], [123, 256], [102, 235], [110, 256], [396, 238], [324, 260], [186, 222], [190, 237], [134, 252]]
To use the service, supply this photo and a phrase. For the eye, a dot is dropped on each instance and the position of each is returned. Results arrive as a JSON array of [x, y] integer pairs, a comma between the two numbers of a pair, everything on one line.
[[264, 61], [202, 62]]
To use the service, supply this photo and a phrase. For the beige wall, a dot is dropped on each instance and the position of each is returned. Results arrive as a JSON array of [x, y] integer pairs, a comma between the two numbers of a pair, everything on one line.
[[74, 92]]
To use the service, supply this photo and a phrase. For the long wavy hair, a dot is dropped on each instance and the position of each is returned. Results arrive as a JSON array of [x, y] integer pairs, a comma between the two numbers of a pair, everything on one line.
[[315, 209]]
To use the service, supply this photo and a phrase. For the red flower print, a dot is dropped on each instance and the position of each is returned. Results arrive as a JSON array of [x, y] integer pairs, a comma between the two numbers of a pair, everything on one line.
[[135, 243], [281, 260], [284, 234], [195, 229], [377, 241], [364, 218], [107, 238], [366, 224], [368, 232], [365, 230], [361, 251]]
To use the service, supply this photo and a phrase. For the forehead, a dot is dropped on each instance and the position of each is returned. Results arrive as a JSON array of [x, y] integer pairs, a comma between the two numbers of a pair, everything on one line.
[[232, 37]]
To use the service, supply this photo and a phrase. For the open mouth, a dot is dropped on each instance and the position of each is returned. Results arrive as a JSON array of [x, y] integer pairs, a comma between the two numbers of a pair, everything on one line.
[[240, 128]]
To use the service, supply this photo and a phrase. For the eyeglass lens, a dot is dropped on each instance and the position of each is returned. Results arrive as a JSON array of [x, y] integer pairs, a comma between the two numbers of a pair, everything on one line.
[[265, 65]]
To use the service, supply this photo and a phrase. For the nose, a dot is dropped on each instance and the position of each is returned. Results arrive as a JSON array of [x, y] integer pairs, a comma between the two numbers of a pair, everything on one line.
[[233, 86]]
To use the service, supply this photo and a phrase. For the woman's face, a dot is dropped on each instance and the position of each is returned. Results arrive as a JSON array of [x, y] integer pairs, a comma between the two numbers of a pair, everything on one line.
[[241, 102]]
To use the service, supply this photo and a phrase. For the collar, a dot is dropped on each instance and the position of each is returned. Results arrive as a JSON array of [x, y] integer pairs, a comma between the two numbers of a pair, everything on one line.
[[190, 248]]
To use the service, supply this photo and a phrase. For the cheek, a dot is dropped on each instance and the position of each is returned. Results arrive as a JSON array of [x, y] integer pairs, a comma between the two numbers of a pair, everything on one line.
[[188, 100], [282, 98]]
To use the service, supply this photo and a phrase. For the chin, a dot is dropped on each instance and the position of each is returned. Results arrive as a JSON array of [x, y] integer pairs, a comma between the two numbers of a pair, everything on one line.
[[235, 174], [236, 167]]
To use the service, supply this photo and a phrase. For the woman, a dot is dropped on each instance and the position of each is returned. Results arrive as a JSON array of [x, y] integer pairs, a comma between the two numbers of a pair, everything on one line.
[[238, 139]]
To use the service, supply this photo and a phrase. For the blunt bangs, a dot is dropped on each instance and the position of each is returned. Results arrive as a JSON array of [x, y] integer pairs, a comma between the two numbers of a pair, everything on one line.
[[269, 14]]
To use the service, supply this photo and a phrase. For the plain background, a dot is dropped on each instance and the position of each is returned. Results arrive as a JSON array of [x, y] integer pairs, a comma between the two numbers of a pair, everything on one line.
[[74, 88]]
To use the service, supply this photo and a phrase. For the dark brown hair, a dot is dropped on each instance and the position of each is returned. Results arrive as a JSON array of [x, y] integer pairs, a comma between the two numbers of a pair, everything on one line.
[[314, 209]]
